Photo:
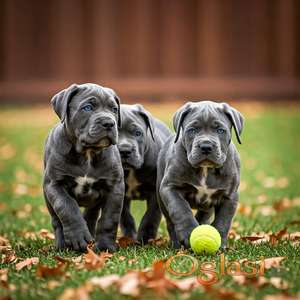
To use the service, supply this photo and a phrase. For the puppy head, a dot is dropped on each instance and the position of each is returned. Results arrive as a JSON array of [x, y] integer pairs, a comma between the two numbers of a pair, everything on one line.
[[206, 131], [137, 129], [91, 115]]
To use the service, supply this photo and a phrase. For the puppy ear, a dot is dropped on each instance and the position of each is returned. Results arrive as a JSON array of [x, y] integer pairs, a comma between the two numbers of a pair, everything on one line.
[[61, 101], [236, 119], [147, 118], [117, 99], [179, 117]]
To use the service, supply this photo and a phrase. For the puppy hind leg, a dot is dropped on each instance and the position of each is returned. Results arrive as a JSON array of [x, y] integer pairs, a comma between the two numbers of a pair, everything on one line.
[[150, 221], [127, 221]]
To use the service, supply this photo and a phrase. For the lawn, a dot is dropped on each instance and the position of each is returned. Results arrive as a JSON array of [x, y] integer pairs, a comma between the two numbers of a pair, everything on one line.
[[269, 204]]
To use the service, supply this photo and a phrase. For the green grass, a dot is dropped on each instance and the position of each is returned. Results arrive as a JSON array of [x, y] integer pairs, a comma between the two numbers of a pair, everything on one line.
[[271, 147]]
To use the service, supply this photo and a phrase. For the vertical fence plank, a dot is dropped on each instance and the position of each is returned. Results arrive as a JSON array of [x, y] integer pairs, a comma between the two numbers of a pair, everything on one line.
[[105, 41], [208, 39], [68, 32], [286, 37], [178, 45]]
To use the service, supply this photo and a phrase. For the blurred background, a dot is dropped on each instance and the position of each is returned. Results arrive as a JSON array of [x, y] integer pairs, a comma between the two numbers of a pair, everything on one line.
[[153, 50]]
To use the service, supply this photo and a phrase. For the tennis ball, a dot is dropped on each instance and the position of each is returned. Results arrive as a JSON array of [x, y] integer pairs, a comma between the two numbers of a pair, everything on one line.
[[205, 239]]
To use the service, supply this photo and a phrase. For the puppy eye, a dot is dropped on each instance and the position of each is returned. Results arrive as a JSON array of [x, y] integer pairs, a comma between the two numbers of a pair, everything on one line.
[[88, 107], [191, 131], [138, 133], [221, 131], [115, 109]]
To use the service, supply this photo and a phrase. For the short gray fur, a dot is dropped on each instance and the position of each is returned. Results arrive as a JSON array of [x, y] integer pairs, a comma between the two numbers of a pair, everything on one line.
[[83, 168], [199, 168], [140, 140]]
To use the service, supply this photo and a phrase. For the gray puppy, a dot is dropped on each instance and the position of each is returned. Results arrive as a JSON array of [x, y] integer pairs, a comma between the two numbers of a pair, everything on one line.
[[83, 167], [199, 168], [140, 140]]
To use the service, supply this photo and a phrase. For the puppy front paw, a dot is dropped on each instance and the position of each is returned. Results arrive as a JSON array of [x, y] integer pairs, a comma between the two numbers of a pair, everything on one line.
[[77, 239], [104, 245], [184, 236]]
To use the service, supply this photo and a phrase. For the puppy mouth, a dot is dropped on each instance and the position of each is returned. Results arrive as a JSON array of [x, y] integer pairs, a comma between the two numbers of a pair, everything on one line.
[[102, 143], [206, 163]]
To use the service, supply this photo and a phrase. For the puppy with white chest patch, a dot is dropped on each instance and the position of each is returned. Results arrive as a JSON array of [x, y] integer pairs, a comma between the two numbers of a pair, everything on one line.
[[199, 168], [83, 168], [140, 140]]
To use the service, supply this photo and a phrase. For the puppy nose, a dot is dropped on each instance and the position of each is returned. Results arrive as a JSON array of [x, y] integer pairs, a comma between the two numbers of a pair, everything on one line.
[[108, 123], [206, 149]]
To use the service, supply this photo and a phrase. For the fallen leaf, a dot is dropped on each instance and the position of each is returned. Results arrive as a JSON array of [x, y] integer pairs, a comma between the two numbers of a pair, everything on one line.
[[28, 262], [224, 294], [80, 293], [260, 281], [44, 233], [4, 278], [126, 241], [253, 238], [94, 261], [129, 284], [46, 271], [187, 284], [286, 203], [104, 282], [7, 151], [4, 242], [53, 284], [273, 262], [281, 297], [158, 242], [244, 209]]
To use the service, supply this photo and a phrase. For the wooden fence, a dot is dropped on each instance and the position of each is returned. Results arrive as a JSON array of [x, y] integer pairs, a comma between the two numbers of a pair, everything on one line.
[[151, 48]]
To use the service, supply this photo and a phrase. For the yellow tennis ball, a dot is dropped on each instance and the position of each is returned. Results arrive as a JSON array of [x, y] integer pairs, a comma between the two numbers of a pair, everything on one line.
[[205, 239]]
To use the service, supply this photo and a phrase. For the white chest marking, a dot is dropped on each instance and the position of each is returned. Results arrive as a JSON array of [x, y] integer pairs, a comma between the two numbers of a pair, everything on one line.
[[81, 182], [132, 184], [203, 190]]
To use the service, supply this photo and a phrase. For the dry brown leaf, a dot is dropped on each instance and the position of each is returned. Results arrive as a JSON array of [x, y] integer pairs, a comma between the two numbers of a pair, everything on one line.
[[4, 278], [281, 297], [273, 262], [28, 262], [286, 203], [59, 270], [94, 261], [260, 281], [129, 284], [4, 242], [126, 241], [104, 282], [158, 242], [252, 238], [3, 206], [132, 261], [244, 209], [187, 284], [224, 294], [46, 234], [7, 151], [53, 284], [80, 293]]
